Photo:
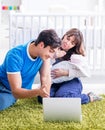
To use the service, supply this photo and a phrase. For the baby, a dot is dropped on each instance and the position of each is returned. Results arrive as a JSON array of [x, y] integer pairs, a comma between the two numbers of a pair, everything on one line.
[[76, 66]]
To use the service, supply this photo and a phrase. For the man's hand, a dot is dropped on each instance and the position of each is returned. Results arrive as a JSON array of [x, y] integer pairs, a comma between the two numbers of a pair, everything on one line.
[[43, 92]]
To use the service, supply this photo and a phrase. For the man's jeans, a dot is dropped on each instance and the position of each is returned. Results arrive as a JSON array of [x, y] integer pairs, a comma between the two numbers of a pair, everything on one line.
[[6, 97]]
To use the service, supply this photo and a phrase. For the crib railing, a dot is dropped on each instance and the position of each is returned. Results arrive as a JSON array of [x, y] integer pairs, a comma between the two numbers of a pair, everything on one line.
[[24, 27]]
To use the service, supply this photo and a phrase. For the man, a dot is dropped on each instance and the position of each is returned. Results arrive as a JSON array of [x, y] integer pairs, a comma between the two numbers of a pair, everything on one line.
[[21, 65]]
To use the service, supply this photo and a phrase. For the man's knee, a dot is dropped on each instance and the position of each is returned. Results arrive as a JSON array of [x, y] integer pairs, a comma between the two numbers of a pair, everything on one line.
[[6, 100]]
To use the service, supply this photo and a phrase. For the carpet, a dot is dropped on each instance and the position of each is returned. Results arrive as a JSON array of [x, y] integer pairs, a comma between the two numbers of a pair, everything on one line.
[[27, 114]]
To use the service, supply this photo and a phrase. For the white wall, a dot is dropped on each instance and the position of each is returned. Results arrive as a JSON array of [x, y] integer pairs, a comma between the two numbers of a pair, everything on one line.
[[46, 5], [5, 13], [0, 13]]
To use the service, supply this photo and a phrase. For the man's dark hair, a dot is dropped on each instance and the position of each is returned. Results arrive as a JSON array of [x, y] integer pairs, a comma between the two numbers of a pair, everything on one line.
[[49, 37]]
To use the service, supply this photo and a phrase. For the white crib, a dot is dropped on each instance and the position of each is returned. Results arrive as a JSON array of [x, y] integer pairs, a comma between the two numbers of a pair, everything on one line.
[[24, 27]]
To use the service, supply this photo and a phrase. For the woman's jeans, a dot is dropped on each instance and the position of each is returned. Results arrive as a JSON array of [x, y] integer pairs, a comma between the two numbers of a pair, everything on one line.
[[72, 88], [6, 97]]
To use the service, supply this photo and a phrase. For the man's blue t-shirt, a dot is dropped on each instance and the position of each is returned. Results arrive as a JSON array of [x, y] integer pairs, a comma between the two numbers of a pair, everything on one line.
[[18, 60]]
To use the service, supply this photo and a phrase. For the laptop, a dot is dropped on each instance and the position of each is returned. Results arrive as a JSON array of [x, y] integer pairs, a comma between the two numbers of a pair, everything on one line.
[[62, 109]]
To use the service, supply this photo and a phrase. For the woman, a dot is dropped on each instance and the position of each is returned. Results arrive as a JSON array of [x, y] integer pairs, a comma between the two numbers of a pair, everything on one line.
[[73, 45]]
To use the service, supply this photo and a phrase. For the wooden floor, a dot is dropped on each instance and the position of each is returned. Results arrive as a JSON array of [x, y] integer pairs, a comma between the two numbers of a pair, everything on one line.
[[95, 84]]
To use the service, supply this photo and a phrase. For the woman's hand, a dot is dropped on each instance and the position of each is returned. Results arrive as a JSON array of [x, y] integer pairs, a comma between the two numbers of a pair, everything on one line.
[[59, 53], [59, 72]]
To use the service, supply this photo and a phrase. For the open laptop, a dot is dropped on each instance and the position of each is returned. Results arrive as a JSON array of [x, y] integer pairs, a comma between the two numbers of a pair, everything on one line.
[[62, 109]]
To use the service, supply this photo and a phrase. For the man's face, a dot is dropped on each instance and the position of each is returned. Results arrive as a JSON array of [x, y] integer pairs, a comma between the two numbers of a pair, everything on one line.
[[48, 52]]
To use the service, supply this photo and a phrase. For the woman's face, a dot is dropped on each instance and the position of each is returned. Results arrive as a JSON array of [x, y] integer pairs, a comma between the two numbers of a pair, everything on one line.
[[68, 42]]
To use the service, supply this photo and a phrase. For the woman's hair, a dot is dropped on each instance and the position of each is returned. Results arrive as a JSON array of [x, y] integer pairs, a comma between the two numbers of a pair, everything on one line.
[[79, 43]]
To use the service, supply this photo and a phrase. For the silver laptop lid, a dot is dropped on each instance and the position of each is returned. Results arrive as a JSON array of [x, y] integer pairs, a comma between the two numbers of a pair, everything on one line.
[[62, 109]]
